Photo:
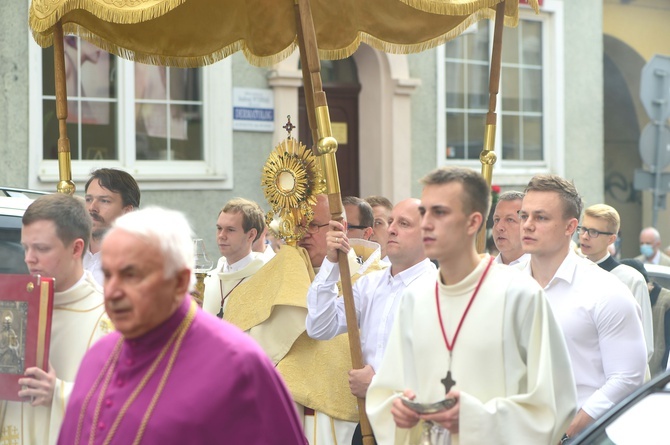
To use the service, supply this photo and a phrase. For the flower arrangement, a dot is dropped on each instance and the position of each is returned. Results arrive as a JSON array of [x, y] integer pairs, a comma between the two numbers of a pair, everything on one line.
[[495, 193]]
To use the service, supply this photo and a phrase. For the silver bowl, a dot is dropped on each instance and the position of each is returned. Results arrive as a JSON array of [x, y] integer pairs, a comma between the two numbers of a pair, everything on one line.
[[428, 408]]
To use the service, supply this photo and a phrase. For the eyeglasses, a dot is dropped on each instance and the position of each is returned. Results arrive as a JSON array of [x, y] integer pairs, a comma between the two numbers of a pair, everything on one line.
[[593, 233], [314, 227], [353, 226]]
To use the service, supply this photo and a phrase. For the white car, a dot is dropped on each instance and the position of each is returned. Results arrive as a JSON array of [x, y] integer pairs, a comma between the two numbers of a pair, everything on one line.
[[659, 274], [13, 203], [639, 419]]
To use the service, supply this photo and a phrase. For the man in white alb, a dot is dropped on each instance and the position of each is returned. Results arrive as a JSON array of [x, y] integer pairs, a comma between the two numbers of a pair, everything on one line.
[[596, 311], [238, 225], [481, 334], [376, 295], [506, 229], [55, 234]]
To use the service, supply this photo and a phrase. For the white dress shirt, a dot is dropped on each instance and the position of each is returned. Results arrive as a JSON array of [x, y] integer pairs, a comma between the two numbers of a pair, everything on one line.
[[377, 296], [601, 324], [519, 262], [93, 263]]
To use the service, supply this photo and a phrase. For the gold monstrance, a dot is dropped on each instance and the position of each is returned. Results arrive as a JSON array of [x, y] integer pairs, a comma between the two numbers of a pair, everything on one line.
[[291, 181]]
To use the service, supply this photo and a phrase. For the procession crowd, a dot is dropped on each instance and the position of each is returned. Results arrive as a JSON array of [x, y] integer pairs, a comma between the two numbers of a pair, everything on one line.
[[525, 345]]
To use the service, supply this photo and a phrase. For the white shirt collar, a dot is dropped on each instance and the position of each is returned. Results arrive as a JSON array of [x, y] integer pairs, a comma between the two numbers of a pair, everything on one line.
[[239, 264], [522, 260]]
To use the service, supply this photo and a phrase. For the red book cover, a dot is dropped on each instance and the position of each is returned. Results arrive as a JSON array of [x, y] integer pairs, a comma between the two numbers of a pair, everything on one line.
[[26, 305]]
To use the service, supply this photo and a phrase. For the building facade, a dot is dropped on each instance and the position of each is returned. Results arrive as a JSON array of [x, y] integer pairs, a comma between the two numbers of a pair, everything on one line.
[[396, 116], [633, 32]]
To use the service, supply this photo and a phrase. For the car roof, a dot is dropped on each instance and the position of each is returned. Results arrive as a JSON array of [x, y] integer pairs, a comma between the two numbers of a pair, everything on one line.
[[659, 274], [14, 206], [657, 268], [15, 201]]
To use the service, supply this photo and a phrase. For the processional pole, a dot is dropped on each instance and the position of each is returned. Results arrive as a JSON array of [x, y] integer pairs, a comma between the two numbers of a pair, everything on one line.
[[324, 149], [65, 184], [488, 157]]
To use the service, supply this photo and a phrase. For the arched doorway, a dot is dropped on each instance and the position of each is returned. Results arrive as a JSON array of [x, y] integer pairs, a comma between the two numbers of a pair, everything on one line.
[[621, 68], [384, 118], [340, 83]]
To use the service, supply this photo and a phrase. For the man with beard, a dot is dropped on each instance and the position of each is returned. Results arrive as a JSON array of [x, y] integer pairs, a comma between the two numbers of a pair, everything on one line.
[[110, 193]]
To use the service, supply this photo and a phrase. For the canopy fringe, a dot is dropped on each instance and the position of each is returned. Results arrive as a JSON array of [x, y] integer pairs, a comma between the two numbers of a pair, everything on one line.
[[462, 7], [45, 38], [450, 7], [399, 48], [163, 60], [125, 16], [268, 61]]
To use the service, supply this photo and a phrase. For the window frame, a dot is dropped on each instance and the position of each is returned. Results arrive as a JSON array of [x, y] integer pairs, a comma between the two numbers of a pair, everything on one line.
[[508, 172], [213, 172]]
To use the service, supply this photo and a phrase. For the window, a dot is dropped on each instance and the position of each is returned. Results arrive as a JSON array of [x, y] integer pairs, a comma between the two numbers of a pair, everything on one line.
[[527, 115], [466, 68], [521, 93], [169, 127]]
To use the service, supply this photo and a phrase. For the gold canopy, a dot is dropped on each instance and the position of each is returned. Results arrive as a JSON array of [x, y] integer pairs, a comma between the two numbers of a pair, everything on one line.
[[200, 32]]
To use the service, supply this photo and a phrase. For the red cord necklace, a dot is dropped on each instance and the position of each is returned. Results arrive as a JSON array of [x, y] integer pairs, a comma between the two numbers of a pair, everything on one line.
[[223, 297], [448, 382]]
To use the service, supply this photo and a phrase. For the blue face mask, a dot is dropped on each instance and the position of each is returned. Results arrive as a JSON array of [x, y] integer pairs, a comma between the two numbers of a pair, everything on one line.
[[647, 250]]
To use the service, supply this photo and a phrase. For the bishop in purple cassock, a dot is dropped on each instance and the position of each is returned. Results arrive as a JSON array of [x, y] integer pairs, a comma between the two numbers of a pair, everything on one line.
[[171, 373]]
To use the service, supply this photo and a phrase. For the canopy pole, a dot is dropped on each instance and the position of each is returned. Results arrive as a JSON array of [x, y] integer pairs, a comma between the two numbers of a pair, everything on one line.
[[307, 80], [324, 148], [65, 185], [488, 157]]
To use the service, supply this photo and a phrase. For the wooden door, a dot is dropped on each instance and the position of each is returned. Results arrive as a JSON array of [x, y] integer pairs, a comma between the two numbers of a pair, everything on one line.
[[343, 108]]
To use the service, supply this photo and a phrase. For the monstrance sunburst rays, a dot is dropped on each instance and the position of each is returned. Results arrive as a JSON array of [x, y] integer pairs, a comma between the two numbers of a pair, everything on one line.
[[291, 180]]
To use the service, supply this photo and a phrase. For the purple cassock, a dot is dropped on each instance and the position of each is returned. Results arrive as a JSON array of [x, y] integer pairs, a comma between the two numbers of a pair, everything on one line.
[[220, 389]]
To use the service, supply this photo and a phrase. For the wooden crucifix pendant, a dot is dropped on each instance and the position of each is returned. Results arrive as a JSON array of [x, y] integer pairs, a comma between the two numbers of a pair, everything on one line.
[[448, 382]]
